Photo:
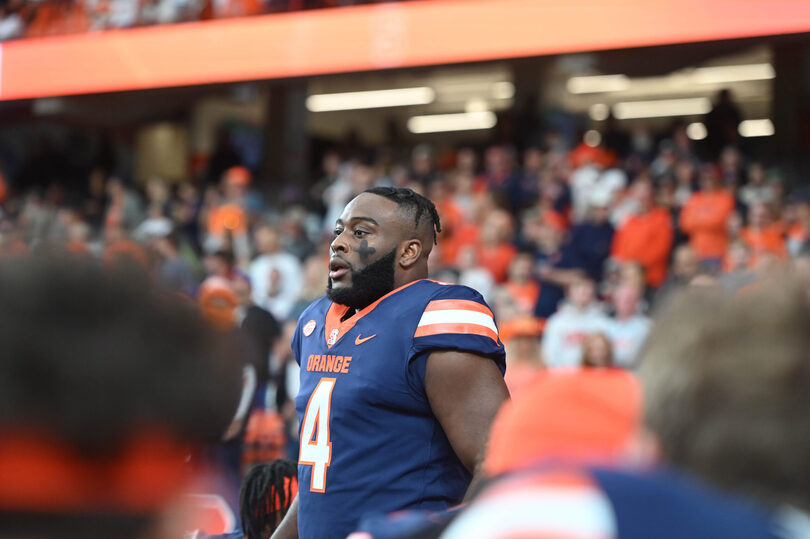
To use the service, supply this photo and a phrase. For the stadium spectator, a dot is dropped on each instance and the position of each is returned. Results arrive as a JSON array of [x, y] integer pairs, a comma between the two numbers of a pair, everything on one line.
[[737, 272], [472, 274], [256, 322], [628, 328], [555, 264], [597, 351], [566, 330], [704, 218], [423, 165], [501, 176], [176, 273], [646, 237], [274, 274], [762, 235], [495, 249], [731, 169], [124, 208], [685, 267], [756, 190], [592, 239], [799, 232], [685, 182], [722, 123], [518, 295], [521, 338]]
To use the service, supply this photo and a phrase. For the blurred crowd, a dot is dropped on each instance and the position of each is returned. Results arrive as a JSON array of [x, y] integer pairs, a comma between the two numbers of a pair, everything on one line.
[[573, 247], [38, 18], [576, 245]]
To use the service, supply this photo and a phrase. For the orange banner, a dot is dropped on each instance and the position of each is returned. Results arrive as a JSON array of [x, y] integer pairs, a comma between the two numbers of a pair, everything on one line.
[[420, 33]]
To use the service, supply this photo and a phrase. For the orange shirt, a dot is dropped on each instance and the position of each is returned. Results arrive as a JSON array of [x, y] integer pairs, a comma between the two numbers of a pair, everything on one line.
[[703, 219], [646, 239], [229, 217], [464, 234], [497, 260], [765, 240], [525, 295]]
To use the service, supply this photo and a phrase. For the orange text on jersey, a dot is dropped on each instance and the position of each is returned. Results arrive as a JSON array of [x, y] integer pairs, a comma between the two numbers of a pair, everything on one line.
[[329, 363]]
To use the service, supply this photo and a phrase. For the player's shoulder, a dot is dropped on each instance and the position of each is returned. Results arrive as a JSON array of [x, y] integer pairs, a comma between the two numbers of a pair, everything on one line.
[[431, 290], [315, 311]]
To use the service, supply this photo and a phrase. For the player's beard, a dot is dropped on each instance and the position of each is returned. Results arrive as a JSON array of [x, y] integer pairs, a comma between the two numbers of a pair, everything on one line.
[[368, 285]]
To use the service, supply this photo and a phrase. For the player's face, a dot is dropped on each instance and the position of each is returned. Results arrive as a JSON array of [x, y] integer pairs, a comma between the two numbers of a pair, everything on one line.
[[362, 265]]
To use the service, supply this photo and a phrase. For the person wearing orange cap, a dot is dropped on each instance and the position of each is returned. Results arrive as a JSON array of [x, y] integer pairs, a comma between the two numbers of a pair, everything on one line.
[[106, 385], [521, 338], [229, 220]]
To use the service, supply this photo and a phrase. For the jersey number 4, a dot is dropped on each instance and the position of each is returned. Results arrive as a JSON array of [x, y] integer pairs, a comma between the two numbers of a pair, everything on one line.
[[316, 449]]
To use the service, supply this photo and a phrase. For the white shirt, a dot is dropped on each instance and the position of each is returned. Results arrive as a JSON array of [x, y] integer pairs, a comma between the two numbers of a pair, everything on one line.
[[565, 332], [290, 283], [626, 338]]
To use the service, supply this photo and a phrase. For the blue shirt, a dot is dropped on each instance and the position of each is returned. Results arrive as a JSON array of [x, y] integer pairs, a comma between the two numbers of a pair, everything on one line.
[[369, 440]]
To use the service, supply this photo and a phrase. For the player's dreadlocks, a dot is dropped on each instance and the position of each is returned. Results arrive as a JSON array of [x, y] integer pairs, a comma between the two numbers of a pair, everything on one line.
[[267, 492], [414, 202]]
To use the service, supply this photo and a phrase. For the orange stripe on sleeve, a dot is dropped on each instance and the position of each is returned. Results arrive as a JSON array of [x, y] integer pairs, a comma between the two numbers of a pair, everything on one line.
[[467, 329], [457, 304]]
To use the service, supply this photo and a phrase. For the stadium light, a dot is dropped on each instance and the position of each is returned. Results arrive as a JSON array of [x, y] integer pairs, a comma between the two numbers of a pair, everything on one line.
[[597, 84], [599, 112], [696, 131], [464, 121], [722, 74], [661, 108], [372, 99], [756, 128], [503, 90]]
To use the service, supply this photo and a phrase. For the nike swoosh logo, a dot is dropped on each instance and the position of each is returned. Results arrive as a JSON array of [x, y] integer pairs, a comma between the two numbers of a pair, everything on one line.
[[358, 341]]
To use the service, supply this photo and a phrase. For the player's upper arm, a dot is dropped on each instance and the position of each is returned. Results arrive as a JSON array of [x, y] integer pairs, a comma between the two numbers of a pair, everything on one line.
[[465, 391]]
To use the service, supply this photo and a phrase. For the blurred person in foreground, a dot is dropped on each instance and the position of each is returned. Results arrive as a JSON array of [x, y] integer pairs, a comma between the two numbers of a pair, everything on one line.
[[566, 330], [267, 492], [106, 385], [407, 432], [725, 380], [563, 421]]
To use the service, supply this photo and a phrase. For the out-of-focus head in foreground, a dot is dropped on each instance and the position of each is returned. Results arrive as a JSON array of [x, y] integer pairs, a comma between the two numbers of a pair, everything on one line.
[[105, 386], [723, 451], [726, 380]]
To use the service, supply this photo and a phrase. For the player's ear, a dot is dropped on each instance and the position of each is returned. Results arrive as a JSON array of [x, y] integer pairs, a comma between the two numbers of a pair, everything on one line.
[[410, 252]]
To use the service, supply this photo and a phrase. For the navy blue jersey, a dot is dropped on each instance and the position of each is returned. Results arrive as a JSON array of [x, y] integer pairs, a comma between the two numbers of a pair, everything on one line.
[[369, 440], [610, 504]]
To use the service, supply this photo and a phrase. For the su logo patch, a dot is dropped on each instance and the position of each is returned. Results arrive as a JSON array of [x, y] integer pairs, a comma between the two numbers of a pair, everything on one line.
[[309, 327]]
